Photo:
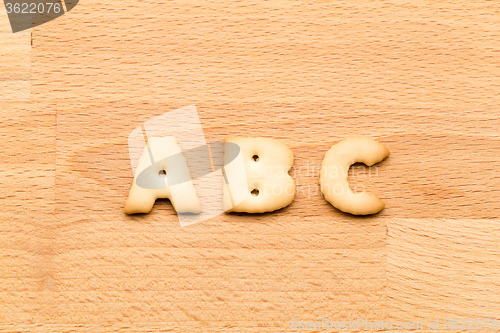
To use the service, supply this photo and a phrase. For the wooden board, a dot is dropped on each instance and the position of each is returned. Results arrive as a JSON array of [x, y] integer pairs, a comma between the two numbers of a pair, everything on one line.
[[15, 62], [420, 77]]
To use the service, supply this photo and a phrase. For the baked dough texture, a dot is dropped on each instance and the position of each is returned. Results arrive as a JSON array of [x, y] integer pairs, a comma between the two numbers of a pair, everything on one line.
[[162, 173], [257, 179], [334, 170]]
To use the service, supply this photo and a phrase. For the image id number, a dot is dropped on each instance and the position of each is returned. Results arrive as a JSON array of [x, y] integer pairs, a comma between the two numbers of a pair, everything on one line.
[[33, 8], [470, 324]]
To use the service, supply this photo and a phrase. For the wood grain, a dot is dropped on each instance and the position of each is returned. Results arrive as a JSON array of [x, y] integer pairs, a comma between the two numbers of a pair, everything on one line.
[[443, 268], [27, 170], [420, 77], [15, 62], [4, 20]]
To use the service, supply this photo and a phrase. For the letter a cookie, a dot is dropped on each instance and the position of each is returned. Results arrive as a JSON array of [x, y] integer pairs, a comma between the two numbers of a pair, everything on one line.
[[162, 173]]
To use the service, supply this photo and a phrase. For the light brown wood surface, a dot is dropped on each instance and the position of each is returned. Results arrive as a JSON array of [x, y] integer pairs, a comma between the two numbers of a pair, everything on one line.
[[15, 62], [421, 77]]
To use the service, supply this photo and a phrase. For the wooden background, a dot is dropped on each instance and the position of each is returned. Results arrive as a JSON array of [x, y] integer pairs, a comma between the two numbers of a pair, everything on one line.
[[421, 77]]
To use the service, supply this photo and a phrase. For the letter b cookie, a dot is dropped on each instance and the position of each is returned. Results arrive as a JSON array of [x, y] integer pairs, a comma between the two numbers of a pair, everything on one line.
[[257, 179]]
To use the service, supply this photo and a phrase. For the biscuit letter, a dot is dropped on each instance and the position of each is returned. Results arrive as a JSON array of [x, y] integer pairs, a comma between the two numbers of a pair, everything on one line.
[[257, 179], [162, 173], [334, 169]]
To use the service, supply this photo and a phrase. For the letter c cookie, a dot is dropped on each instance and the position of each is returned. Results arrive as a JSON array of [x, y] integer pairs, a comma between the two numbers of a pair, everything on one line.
[[334, 169]]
